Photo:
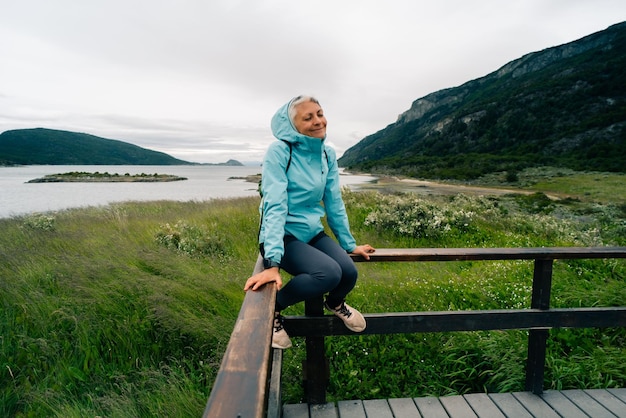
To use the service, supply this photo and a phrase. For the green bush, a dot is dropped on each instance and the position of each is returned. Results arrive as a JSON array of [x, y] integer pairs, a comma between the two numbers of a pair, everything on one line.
[[192, 240]]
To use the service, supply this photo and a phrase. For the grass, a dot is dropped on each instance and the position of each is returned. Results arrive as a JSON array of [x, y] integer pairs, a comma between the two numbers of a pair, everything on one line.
[[100, 318], [125, 310], [594, 187], [584, 186]]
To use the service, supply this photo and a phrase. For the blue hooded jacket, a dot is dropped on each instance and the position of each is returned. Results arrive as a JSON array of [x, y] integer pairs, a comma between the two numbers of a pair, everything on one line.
[[295, 200]]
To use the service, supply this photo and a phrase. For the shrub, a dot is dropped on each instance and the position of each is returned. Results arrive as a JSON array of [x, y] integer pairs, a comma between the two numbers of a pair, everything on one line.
[[410, 215], [192, 240], [38, 221]]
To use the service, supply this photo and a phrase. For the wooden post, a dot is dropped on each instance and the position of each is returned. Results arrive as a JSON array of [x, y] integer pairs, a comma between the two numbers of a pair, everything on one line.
[[274, 399], [315, 365], [537, 338]]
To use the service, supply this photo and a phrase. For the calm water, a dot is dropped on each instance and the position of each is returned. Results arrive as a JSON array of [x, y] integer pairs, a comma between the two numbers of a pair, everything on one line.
[[17, 197]]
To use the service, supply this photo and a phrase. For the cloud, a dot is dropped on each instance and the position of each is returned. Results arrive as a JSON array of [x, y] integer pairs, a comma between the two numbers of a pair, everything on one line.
[[203, 78]]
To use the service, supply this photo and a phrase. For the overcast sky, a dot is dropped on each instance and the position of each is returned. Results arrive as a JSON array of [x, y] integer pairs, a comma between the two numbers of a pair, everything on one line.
[[200, 79]]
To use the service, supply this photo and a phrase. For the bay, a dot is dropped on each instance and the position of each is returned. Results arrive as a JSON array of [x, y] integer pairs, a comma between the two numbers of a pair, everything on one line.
[[18, 197]]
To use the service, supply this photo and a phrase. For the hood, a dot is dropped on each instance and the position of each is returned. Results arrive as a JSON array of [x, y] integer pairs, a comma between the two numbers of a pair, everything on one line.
[[283, 129]]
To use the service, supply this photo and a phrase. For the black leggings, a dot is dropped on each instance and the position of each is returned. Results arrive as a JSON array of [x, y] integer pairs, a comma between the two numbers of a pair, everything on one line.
[[318, 267]]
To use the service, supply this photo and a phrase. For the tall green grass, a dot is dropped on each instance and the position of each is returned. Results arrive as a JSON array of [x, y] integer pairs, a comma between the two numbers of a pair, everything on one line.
[[101, 317], [126, 310]]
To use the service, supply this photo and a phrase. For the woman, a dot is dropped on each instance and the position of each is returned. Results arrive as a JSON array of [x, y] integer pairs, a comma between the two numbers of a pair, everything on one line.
[[300, 184]]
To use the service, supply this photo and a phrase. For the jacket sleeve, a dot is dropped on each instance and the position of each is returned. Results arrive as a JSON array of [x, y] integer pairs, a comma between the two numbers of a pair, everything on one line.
[[275, 203], [337, 216]]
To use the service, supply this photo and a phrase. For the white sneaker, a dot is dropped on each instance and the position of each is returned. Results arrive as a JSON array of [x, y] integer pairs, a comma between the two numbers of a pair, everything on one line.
[[280, 338], [351, 317]]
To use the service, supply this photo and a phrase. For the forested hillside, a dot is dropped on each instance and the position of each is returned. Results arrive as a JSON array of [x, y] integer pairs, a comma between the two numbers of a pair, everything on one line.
[[47, 146], [564, 106]]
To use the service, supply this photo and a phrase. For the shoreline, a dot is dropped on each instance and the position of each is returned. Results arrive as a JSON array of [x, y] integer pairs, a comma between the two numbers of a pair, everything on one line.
[[390, 184]]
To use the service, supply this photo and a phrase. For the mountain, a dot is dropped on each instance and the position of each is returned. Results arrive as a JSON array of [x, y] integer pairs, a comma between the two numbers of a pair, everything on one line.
[[230, 163], [47, 146], [564, 106]]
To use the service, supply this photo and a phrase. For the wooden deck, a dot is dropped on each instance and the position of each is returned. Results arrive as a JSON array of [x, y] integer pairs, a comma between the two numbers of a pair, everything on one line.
[[594, 403]]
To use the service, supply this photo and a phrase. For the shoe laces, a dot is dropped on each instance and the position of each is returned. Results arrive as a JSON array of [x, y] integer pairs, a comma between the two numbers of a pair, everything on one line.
[[343, 310], [278, 323]]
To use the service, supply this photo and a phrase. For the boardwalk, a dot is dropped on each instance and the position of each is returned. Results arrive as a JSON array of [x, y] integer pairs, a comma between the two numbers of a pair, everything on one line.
[[248, 384], [594, 403]]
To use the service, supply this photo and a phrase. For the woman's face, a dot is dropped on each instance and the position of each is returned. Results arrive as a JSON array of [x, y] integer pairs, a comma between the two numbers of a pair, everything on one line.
[[310, 120]]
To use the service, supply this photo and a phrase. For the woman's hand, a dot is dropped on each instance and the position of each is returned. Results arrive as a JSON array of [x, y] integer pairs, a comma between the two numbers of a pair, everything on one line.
[[364, 251], [266, 276]]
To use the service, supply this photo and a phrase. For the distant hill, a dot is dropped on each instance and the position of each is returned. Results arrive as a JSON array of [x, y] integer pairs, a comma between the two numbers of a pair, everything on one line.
[[228, 163], [564, 106], [48, 146]]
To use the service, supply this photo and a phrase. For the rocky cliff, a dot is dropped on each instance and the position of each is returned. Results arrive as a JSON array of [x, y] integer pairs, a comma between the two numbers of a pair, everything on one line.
[[563, 106]]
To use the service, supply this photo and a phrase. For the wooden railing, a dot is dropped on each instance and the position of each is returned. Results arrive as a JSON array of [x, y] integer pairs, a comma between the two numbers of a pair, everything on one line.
[[248, 383]]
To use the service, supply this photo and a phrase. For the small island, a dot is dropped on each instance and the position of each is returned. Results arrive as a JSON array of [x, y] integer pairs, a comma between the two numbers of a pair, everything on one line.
[[84, 177], [253, 178]]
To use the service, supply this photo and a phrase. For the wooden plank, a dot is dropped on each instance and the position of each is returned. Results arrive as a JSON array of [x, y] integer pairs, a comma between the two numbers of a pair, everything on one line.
[[563, 406], [587, 404], [461, 254], [378, 408], [619, 393], [609, 401], [297, 410], [483, 406], [597, 403], [430, 407], [457, 407], [509, 405], [323, 410], [403, 408], [351, 409], [258, 266], [240, 385], [535, 405], [447, 321]]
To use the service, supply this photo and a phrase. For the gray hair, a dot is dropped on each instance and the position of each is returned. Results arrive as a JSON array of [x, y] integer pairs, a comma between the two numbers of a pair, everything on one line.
[[295, 102]]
